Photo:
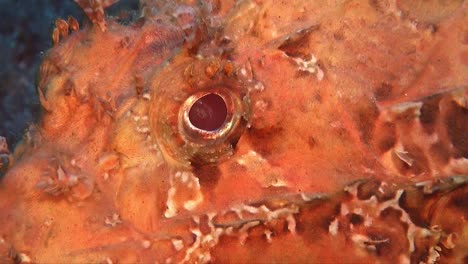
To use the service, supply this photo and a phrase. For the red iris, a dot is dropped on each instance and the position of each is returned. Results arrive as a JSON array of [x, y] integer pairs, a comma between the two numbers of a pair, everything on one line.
[[208, 112]]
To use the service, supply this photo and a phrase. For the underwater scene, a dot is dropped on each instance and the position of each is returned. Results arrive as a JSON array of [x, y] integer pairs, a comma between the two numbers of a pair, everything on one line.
[[234, 131]]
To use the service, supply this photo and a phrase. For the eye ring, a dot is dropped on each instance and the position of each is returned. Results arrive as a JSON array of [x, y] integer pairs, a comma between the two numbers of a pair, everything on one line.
[[186, 143], [195, 134]]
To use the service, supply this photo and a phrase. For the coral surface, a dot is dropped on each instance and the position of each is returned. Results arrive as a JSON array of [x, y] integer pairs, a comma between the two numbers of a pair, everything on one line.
[[246, 131]]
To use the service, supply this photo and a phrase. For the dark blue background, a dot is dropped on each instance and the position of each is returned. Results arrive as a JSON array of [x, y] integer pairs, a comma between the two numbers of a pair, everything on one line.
[[25, 35]]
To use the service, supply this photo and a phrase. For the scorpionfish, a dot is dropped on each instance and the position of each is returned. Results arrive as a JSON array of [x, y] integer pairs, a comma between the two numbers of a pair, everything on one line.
[[246, 131]]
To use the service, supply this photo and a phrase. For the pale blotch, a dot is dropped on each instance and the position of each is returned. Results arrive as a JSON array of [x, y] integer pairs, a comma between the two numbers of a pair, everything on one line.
[[184, 193]]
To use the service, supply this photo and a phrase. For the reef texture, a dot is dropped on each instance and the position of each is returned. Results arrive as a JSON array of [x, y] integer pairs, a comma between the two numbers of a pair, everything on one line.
[[343, 136]]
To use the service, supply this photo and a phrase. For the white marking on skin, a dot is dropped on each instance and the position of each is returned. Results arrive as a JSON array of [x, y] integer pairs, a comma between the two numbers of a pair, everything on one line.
[[142, 130], [449, 242], [434, 255], [229, 230], [310, 66], [360, 239], [154, 147], [48, 222], [250, 209], [404, 259], [268, 235], [178, 244], [403, 107], [279, 212], [377, 208], [238, 212], [146, 244], [291, 224], [273, 33], [403, 156], [192, 204], [365, 242], [171, 210], [320, 74], [333, 227], [344, 210], [243, 71], [279, 183], [251, 156], [358, 211], [183, 182], [261, 105], [456, 166], [306, 198], [184, 177], [146, 96], [244, 229], [310, 197], [194, 246], [113, 220], [367, 170], [23, 258], [368, 221], [259, 86]]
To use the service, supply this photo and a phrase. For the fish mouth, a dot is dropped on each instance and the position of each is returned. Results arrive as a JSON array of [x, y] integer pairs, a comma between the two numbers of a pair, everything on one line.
[[374, 194], [368, 215]]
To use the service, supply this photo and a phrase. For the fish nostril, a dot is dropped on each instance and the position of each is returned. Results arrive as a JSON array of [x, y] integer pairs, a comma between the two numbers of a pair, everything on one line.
[[209, 112]]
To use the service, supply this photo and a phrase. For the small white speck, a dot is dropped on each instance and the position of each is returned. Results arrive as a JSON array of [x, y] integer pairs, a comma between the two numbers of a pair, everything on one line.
[[146, 96], [320, 74], [243, 71], [333, 227], [184, 177], [109, 260], [259, 86], [143, 130], [113, 221], [268, 235], [178, 244], [24, 258], [48, 222], [146, 244]]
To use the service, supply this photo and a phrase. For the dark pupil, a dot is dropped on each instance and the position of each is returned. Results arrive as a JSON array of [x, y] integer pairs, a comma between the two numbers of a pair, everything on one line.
[[208, 113]]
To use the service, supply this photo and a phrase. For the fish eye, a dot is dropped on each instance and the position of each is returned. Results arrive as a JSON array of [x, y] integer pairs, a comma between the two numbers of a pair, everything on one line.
[[198, 120], [210, 123], [208, 112], [209, 116]]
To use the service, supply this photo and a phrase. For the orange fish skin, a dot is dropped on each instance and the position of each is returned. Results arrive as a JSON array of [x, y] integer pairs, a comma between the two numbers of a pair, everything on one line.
[[344, 137]]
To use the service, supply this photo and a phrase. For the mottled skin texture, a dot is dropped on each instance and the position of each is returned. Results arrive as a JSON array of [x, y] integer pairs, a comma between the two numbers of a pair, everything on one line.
[[351, 142]]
